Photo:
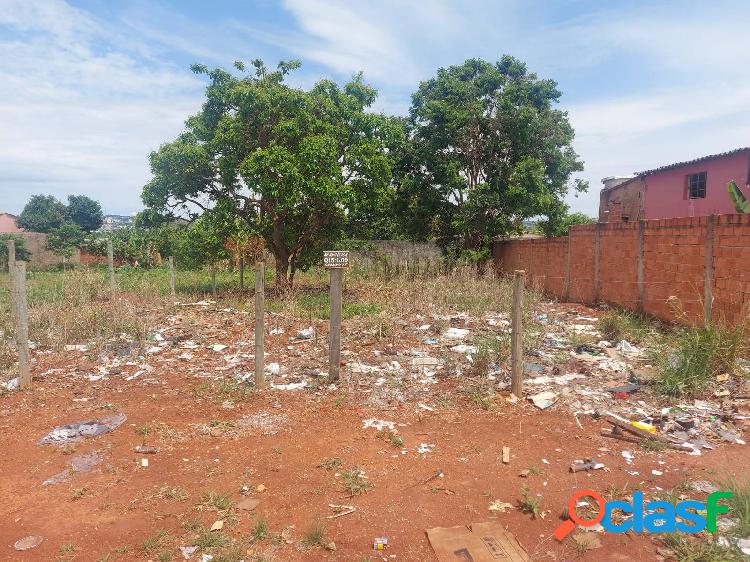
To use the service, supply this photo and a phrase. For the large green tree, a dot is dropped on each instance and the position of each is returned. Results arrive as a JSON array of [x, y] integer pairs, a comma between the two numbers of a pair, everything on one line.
[[487, 150], [42, 213], [85, 212], [290, 163]]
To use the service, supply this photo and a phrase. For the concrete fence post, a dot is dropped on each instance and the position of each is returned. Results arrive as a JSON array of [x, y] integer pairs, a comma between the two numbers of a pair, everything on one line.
[[641, 232], [260, 292], [708, 277], [22, 325], [11, 265], [171, 276], [516, 335]]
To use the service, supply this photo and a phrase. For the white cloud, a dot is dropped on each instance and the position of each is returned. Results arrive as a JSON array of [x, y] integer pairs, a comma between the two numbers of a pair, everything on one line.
[[80, 114]]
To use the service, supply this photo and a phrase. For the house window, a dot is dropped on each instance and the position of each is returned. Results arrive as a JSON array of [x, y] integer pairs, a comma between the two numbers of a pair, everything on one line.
[[697, 185]]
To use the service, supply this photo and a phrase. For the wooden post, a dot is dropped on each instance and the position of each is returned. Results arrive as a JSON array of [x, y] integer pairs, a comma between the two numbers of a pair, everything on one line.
[[171, 275], [213, 280], [597, 259], [111, 266], [516, 337], [242, 273], [11, 254], [11, 265], [334, 331], [708, 278], [641, 231], [260, 375], [22, 325]]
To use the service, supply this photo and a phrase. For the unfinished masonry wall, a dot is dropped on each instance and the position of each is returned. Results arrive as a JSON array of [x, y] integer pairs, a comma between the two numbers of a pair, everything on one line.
[[704, 262]]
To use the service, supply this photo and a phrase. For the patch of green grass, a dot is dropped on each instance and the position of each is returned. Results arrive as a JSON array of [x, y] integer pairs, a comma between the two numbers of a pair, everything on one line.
[[218, 501], [651, 444], [395, 439], [330, 463], [315, 535], [530, 504], [172, 493], [206, 538], [699, 354], [157, 542], [260, 529], [699, 548], [618, 324], [482, 394], [739, 504], [356, 482]]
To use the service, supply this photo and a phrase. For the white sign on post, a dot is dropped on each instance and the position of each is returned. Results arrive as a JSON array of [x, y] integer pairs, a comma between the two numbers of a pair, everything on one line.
[[335, 259]]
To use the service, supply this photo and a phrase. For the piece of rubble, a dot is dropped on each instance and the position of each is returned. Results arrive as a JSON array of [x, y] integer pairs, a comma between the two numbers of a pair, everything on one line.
[[544, 400], [455, 333], [27, 543]]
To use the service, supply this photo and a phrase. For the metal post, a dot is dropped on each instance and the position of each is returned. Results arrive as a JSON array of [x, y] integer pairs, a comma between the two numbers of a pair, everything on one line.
[[334, 332], [516, 345], [260, 375], [22, 326]]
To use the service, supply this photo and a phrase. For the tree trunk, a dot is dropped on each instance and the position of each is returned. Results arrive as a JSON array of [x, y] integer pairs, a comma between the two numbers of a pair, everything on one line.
[[283, 282]]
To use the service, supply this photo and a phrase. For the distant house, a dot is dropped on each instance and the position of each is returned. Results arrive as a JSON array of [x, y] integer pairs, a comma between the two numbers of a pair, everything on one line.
[[686, 189], [115, 222], [8, 224]]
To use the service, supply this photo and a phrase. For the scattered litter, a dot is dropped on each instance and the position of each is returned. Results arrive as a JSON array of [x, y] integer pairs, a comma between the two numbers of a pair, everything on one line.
[[273, 368], [145, 450], [626, 347], [628, 456], [27, 543], [218, 347], [456, 333], [380, 543], [656, 472], [188, 551], [12, 384], [731, 437], [82, 463], [506, 455], [77, 347], [340, 511], [306, 334], [144, 462], [431, 341], [217, 525], [462, 348], [544, 399], [588, 464], [380, 425], [498, 506], [425, 448], [71, 433]]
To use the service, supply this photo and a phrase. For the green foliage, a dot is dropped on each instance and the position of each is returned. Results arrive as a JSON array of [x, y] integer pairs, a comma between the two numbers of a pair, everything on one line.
[[486, 150], [616, 325], [740, 202], [42, 213], [558, 224], [290, 164], [22, 252], [85, 212], [45, 213], [64, 239], [700, 353]]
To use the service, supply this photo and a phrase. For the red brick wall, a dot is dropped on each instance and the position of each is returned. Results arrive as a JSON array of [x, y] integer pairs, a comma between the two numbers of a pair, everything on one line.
[[674, 264]]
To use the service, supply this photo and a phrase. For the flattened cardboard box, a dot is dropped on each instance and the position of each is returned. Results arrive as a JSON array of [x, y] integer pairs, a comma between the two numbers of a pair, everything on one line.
[[480, 542]]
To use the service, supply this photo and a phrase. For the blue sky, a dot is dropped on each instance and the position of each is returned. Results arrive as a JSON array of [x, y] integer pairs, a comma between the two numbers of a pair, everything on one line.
[[89, 88]]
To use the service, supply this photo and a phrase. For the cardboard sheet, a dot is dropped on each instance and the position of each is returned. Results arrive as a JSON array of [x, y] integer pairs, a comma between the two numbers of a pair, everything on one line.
[[479, 542]]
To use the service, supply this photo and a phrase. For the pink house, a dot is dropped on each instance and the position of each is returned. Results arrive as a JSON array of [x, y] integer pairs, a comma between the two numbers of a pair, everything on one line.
[[8, 223], [686, 189]]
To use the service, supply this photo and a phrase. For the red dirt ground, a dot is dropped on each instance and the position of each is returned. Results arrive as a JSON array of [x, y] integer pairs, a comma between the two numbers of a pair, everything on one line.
[[119, 505]]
